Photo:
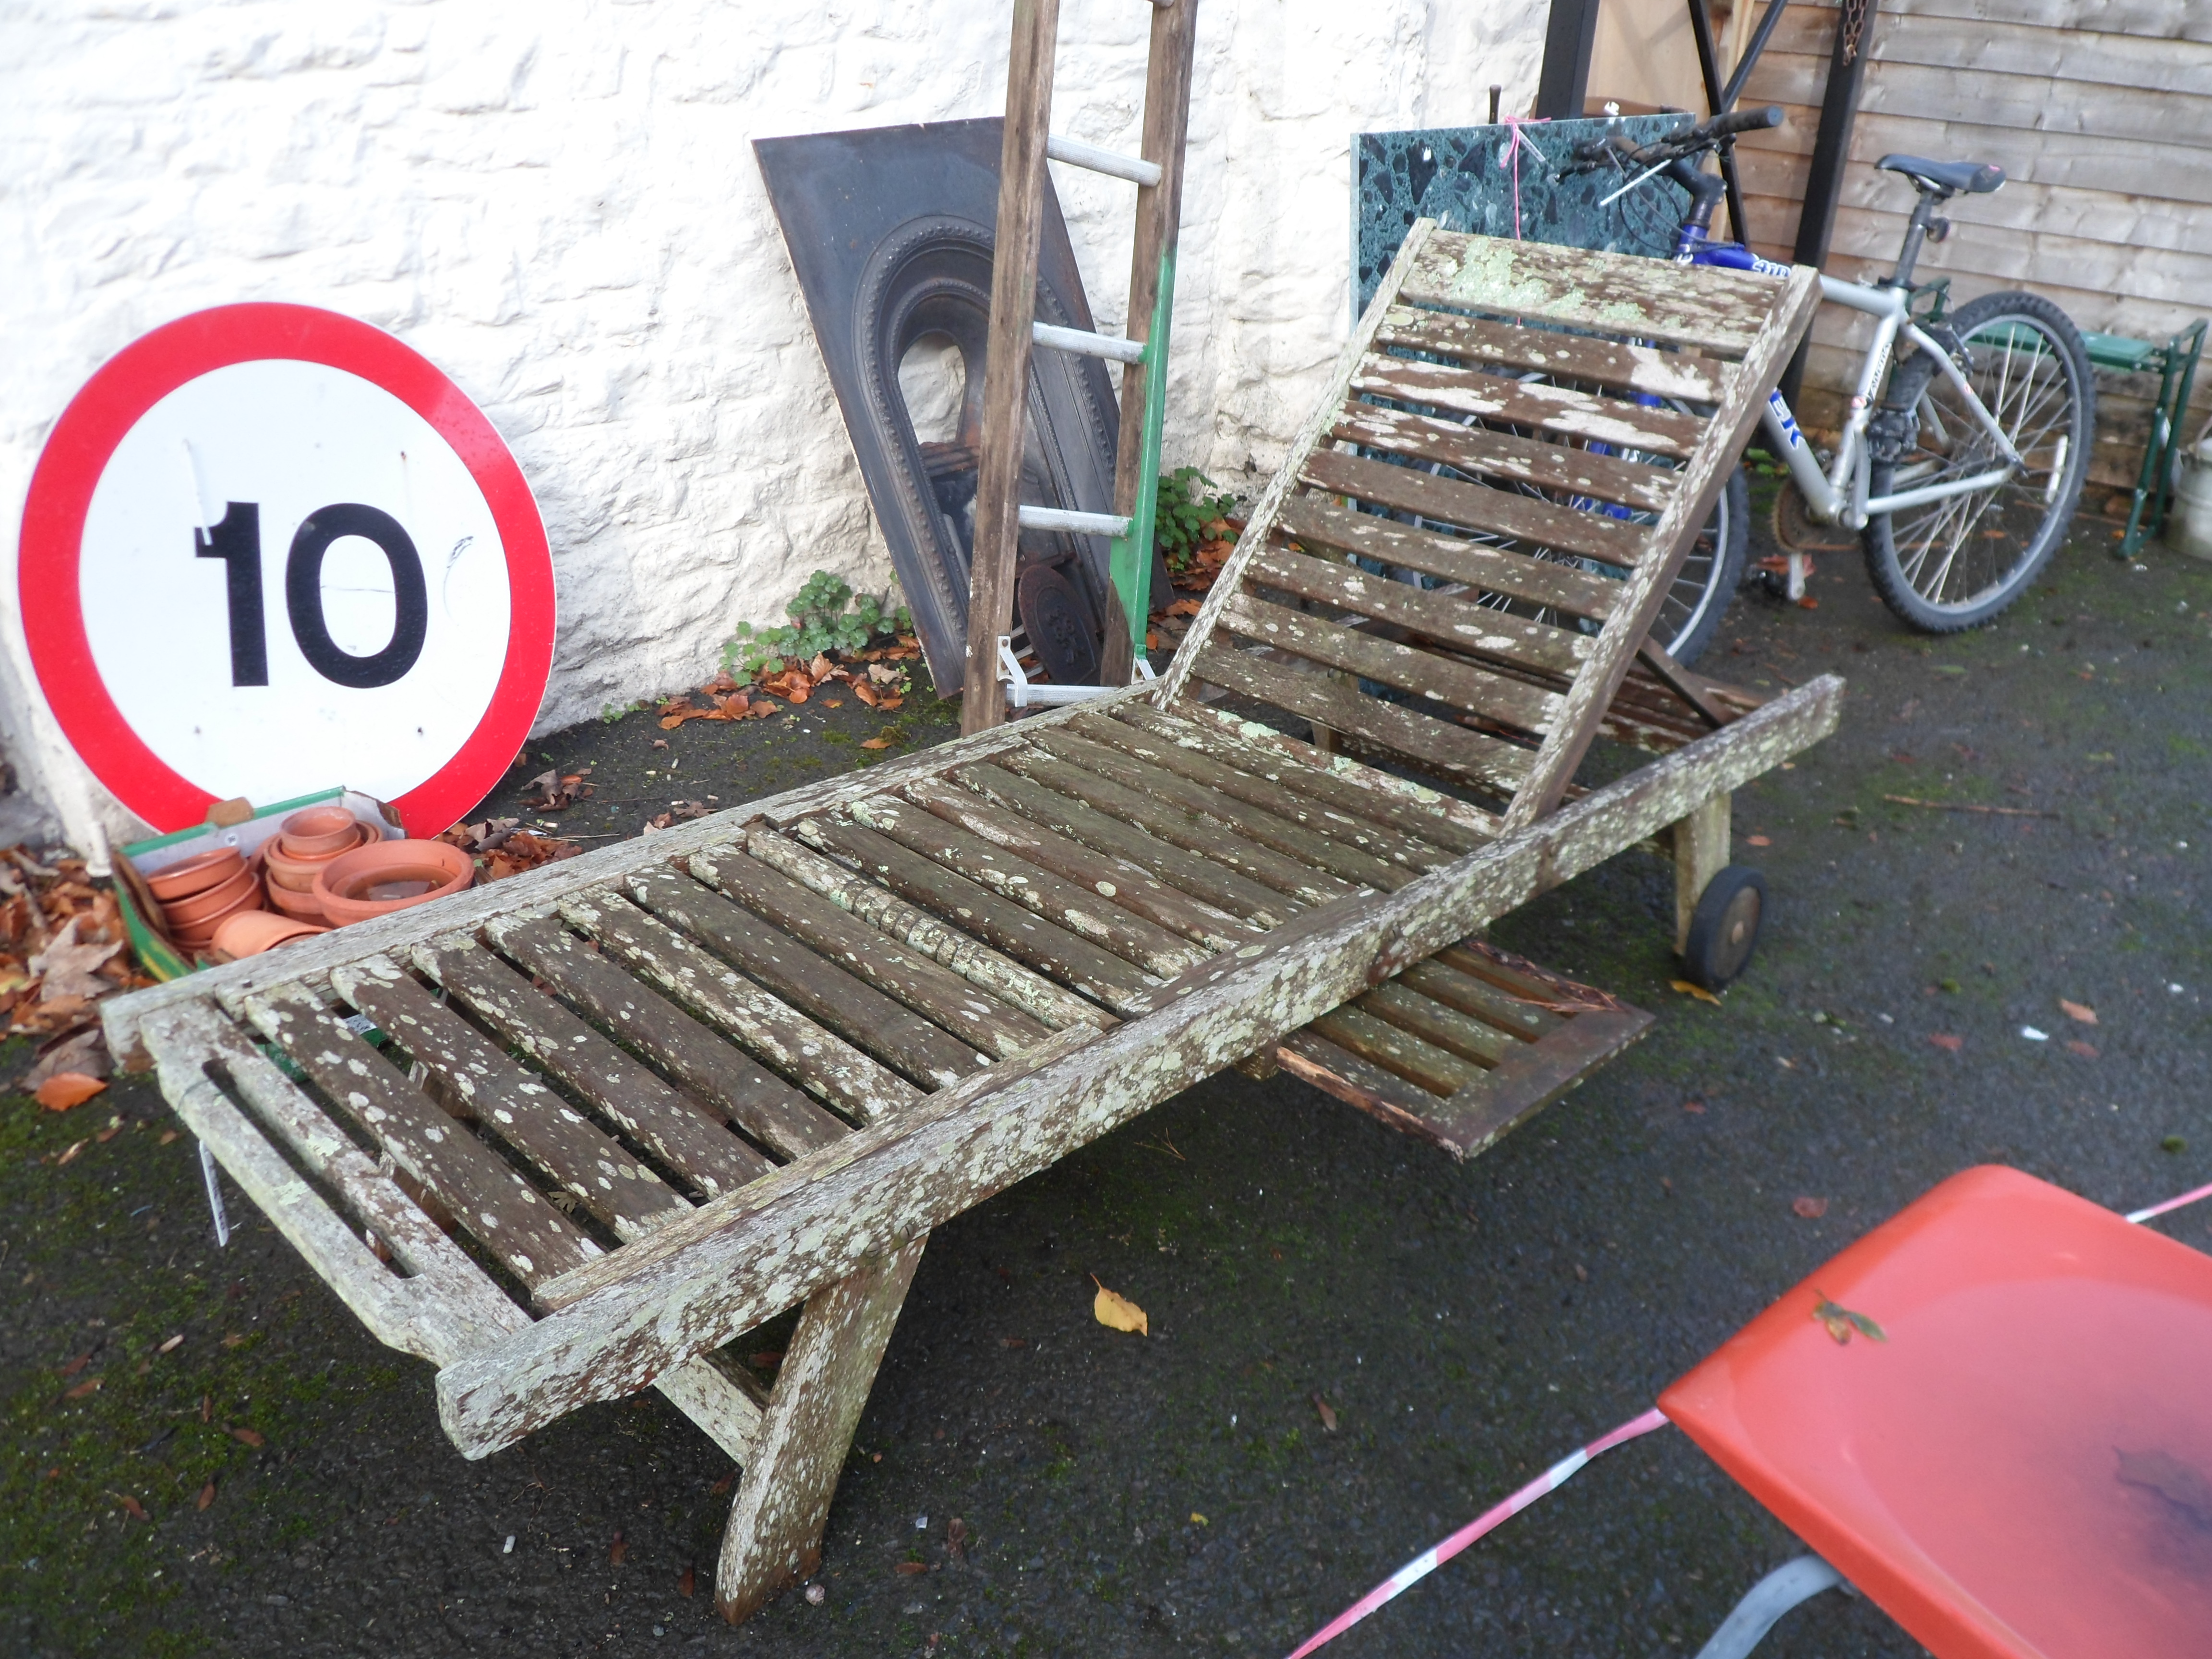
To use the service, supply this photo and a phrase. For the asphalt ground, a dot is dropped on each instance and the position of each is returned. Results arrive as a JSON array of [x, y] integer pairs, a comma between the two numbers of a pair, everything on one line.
[[1467, 1324]]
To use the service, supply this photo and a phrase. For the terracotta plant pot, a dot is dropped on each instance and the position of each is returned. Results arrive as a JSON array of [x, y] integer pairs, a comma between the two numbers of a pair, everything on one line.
[[197, 936], [195, 874], [390, 875], [196, 910], [320, 832], [249, 932], [300, 907], [288, 867]]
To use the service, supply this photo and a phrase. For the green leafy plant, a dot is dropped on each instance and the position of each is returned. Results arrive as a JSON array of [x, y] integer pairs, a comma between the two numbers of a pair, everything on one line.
[[821, 622], [1185, 509]]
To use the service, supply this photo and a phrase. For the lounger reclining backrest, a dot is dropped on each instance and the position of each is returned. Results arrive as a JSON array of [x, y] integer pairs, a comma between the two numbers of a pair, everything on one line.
[[1534, 434]]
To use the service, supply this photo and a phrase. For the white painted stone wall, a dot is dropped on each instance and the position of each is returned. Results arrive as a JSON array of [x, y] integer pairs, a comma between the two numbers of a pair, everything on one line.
[[558, 205]]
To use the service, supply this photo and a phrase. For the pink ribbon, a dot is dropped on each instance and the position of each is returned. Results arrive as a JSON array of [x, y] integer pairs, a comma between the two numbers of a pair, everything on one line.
[[1517, 141], [1430, 1559]]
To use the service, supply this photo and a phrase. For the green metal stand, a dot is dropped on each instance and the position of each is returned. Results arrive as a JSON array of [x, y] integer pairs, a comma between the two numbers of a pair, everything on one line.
[[1130, 565], [2175, 365]]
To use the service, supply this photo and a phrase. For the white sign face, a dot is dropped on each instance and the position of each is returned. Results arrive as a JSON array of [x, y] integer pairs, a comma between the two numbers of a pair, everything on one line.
[[290, 581], [269, 549]]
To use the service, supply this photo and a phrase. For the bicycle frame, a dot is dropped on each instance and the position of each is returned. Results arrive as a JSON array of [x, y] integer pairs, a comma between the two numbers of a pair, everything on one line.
[[1839, 496]]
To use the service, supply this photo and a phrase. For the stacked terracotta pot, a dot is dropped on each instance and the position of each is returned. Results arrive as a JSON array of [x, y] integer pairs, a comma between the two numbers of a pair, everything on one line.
[[297, 854], [197, 895]]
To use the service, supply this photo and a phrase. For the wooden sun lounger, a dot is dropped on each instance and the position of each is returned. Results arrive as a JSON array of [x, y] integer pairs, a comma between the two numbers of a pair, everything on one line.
[[574, 1134]]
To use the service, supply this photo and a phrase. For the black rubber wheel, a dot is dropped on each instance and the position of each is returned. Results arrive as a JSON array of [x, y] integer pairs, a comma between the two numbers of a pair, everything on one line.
[[1724, 927], [1956, 563]]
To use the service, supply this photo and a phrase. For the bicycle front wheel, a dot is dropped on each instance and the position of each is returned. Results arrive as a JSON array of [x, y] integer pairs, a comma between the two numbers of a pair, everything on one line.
[[1955, 563]]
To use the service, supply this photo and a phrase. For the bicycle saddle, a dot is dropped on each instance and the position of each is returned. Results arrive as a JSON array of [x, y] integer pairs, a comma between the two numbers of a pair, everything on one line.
[[1977, 177]]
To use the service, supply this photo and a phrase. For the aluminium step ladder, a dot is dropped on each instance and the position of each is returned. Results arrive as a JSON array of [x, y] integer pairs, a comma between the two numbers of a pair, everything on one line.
[[1000, 516]]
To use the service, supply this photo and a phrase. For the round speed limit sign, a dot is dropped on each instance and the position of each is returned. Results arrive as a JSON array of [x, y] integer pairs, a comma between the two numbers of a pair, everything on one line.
[[269, 549]]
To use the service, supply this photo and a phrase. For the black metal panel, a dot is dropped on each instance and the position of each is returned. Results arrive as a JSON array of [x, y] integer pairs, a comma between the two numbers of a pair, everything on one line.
[[890, 230]]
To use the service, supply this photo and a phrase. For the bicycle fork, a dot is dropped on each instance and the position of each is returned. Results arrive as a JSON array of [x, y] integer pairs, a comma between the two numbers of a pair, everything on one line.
[[1839, 496]]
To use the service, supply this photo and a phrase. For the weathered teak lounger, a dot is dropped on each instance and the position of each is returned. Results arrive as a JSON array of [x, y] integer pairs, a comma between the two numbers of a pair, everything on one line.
[[626, 1108]]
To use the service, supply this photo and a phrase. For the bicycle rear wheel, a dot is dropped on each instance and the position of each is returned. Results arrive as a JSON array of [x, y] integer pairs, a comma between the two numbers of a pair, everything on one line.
[[1956, 563]]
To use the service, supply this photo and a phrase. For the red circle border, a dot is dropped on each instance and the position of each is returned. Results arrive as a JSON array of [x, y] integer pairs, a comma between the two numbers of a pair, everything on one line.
[[77, 452]]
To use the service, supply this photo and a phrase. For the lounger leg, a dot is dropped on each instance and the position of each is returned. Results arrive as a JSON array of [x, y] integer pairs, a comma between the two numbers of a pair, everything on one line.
[[774, 1538], [1701, 848]]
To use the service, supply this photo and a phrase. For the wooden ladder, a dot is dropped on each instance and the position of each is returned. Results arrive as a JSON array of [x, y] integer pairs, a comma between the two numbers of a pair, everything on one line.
[[1000, 516]]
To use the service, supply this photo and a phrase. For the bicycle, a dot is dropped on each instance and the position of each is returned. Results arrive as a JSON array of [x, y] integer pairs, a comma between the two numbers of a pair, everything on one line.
[[1960, 463]]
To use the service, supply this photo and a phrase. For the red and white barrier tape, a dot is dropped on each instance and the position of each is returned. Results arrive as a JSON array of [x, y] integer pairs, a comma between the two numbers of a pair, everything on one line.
[[1430, 1559], [1550, 1481], [2171, 1203]]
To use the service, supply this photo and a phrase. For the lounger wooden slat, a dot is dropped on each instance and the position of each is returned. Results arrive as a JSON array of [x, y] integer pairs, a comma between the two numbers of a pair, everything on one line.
[[676, 1130], [1233, 780], [1623, 366], [1049, 927], [1317, 523], [1329, 704], [1525, 519], [1718, 312], [1449, 619], [1073, 960], [958, 1006], [825, 993], [1402, 803], [1078, 906], [502, 1210], [747, 1096], [949, 947], [1163, 884], [1540, 406], [1426, 674], [512, 1105], [1511, 459], [1238, 816]]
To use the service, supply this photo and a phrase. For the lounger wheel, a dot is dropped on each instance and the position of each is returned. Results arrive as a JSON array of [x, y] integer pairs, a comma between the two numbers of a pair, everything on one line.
[[1724, 927]]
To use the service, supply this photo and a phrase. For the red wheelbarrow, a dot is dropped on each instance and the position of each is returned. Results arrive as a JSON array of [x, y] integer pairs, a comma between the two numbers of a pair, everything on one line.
[[1991, 1416]]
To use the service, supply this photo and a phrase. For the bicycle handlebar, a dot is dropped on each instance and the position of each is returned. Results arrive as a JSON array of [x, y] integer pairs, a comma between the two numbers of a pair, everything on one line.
[[1687, 141]]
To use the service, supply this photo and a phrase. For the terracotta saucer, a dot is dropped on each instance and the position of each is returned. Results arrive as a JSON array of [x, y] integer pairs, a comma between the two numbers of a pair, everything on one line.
[[200, 934], [390, 875], [196, 909], [195, 874]]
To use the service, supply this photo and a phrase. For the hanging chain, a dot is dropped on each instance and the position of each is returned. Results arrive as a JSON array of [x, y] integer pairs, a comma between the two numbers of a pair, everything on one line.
[[1853, 26]]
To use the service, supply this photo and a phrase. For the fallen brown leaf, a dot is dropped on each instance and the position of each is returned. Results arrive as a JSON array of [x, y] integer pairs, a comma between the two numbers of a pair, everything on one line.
[[2079, 1010], [955, 1537], [72, 1367], [1757, 841], [866, 692], [82, 1051], [1945, 1042], [689, 1582], [891, 705], [234, 1339], [1184, 608], [617, 1551], [1117, 1312], [1811, 1209], [167, 1135], [252, 1437], [206, 1497], [724, 1483], [2087, 1050], [67, 967], [909, 1569], [1326, 1412], [90, 1385], [137, 1509], [877, 743], [67, 1088], [1698, 991], [75, 1147]]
